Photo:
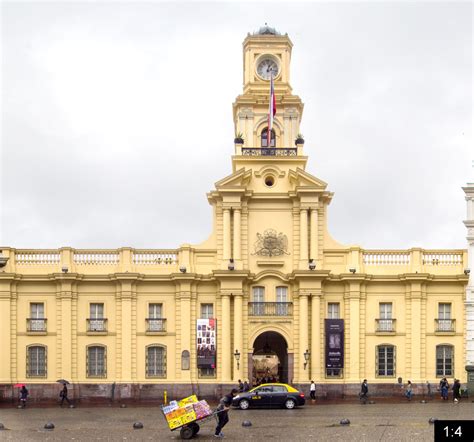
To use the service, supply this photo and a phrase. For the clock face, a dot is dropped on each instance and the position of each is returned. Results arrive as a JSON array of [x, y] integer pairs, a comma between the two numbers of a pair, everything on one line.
[[266, 68]]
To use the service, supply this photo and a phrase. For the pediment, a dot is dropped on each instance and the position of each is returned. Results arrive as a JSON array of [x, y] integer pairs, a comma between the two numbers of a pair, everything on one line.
[[303, 179], [238, 179]]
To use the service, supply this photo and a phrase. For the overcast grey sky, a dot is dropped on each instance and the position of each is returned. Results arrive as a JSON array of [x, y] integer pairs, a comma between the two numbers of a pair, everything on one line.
[[117, 118]]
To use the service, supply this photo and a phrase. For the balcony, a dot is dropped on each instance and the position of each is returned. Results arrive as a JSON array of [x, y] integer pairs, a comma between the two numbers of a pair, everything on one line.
[[97, 325], [270, 308], [269, 151], [383, 326], [445, 325], [36, 325], [155, 325]]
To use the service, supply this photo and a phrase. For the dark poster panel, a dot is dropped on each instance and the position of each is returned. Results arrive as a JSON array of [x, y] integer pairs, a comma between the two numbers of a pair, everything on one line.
[[334, 343], [206, 343]]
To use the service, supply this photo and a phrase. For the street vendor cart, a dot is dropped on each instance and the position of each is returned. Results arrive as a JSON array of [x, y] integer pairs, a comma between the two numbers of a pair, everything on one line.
[[187, 415]]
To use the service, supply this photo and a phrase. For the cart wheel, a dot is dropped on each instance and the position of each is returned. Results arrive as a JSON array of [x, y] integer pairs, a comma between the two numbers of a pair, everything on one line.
[[195, 427], [186, 432]]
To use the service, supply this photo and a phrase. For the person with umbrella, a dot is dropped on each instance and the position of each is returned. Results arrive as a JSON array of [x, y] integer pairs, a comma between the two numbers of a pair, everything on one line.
[[63, 392]]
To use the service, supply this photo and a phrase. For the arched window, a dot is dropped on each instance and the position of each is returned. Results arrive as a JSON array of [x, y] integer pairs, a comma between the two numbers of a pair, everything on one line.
[[385, 360], [444, 360], [264, 138], [96, 364], [156, 361], [36, 366]]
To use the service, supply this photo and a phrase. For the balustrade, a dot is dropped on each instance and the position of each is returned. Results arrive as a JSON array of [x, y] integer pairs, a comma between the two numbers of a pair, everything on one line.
[[155, 324], [270, 308], [96, 258], [442, 258], [154, 257], [445, 325], [387, 258], [37, 258]]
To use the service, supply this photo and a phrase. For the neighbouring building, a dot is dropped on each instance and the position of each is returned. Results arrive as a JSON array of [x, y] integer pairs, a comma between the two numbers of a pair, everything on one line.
[[269, 294]]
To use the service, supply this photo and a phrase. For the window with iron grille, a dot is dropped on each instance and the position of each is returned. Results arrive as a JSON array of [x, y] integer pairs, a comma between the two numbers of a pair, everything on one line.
[[36, 361], [207, 311], [37, 320], [444, 316], [156, 361], [96, 361], [207, 372], [333, 310], [385, 317], [385, 355], [444, 360]]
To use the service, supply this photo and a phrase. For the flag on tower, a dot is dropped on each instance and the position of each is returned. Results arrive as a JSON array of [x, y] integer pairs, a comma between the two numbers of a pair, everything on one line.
[[271, 110]]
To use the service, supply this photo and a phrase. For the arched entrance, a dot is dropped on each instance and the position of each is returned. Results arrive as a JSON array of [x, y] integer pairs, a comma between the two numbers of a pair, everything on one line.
[[269, 359]]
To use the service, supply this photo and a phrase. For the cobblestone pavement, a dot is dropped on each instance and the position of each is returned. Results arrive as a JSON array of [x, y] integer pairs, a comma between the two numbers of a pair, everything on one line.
[[371, 422]]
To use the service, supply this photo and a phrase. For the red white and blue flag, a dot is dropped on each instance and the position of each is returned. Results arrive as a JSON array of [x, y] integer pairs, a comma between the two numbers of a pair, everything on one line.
[[271, 111]]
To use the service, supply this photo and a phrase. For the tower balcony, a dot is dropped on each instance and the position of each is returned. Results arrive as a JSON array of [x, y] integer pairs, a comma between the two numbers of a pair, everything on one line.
[[270, 151], [270, 308]]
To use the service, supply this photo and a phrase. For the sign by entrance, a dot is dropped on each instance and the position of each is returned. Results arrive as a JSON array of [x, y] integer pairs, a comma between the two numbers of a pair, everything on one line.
[[334, 344], [206, 343]]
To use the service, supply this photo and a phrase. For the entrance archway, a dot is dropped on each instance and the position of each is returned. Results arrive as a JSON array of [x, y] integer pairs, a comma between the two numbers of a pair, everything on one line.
[[270, 359]]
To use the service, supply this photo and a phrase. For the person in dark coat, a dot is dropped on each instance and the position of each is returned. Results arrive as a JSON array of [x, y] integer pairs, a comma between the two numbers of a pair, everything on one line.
[[241, 386], [246, 386], [443, 386], [63, 395], [223, 409], [456, 390], [364, 391], [23, 396]]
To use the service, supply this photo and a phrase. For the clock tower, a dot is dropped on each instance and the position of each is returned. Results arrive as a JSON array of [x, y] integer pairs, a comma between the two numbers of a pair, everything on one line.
[[266, 53]]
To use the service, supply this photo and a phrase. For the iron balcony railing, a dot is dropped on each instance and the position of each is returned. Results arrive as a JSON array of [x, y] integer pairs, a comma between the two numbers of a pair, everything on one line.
[[270, 308], [385, 325], [270, 151], [97, 325], [445, 325], [36, 324], [155, 324]]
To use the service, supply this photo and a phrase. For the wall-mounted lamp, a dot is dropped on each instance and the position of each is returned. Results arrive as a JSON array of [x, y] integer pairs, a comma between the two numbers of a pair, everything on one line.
[[64, 269], [231, 265], [467, 271], [352, 270], [182, 269], [306, 355], [311, 264], [237, 357]]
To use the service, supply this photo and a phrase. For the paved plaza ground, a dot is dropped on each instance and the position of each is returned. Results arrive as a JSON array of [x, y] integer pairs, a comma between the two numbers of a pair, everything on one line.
[[371, 422]]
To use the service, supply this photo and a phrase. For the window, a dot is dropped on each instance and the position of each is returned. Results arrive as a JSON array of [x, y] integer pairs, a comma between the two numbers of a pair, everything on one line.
[[258, 299], [36, 361], [207, 311], [333, 310], [156, 361], [444, 360], [385, 317], [37, 321], [444, 317], [97, 321], [264, 138], [207, 372], [385, 360], [155, 311], [96, 362], [156, 322], [282, 301]]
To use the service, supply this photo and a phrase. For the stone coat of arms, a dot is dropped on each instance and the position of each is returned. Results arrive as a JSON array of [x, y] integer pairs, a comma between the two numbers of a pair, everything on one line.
[[271, 244]]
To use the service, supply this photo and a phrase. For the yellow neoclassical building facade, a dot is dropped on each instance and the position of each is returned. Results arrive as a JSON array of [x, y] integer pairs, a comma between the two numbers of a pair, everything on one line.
[[270, 294]]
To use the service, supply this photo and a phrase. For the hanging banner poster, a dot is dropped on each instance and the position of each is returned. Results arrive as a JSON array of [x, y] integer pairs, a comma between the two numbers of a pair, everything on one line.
[[334, 343], [206, 343]]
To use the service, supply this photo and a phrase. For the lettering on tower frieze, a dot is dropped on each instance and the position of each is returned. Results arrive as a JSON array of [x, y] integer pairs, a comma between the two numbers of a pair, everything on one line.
[[271, 244]]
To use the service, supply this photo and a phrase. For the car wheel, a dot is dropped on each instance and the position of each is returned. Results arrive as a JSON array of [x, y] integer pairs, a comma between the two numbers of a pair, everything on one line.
[[290, 404], [244, 404]]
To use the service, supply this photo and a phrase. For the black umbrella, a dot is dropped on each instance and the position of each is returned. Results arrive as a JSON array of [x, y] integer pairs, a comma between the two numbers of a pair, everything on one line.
[[62, 381]]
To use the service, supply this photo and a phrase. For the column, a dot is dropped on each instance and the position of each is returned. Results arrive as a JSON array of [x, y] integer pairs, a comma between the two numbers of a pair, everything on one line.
[[303, 322], [66, 331], [238, 341], [5, 342], [354, 333], [237, 229], [416, 332], [314, 235], [226, 352], [226, 235], [303, 238], [126, 353], [316, 336], [185, 300]]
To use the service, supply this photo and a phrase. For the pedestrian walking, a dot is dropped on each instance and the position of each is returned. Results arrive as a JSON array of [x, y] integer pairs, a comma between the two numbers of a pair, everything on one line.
[[443, 387], [409, 391], [23, 396], [312, 391], [456, 390], [246, 386], [428, 388], [241, 386], [223, 415], [364, 391], [63, 395]]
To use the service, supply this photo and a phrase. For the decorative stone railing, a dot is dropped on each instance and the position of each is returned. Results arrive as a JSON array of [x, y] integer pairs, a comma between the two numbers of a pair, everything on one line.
[[96, 258], [379, 257], [154, 257], [443, 258], [38, 257], [270, 151]]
